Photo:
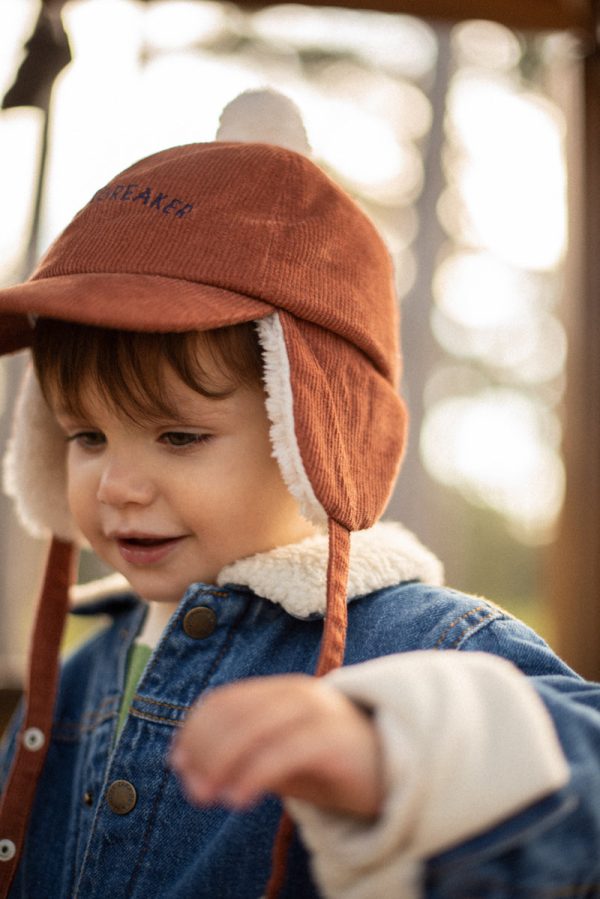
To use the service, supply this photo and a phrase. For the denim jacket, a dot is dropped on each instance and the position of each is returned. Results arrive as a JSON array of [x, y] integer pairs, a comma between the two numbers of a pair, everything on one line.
[[91, 839]]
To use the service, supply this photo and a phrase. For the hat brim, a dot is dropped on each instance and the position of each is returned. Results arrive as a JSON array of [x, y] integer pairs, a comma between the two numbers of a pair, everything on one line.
[[130, 302]]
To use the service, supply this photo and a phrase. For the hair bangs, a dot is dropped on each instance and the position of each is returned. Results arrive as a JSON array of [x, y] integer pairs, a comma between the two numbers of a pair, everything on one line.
[[124, 368]]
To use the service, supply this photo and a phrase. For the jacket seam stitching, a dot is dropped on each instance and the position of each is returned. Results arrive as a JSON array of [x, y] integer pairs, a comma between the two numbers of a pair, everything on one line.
[[457, 622], [151, 701], [69, 732], [159, 720], [471, 630], [92, 715]]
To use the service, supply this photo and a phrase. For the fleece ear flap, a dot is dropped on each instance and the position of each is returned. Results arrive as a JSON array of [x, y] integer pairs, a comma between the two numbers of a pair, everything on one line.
[[280, 409], [349, 422], [34, 466]]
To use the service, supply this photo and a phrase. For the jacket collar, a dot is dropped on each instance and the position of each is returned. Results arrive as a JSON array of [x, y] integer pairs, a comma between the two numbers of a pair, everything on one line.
[[294, 576]]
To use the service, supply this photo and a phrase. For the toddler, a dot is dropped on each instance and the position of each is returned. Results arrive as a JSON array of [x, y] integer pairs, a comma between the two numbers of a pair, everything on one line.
[[212, 408]]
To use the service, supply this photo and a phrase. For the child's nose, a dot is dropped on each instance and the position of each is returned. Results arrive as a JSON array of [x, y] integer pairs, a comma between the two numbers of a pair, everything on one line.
[[122, 483]]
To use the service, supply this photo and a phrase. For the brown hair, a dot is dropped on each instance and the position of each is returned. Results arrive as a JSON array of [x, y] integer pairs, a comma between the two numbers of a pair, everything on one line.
[[123, 365]]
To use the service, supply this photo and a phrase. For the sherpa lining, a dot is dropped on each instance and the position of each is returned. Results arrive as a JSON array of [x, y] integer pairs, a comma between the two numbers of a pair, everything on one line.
[[294, 576], [34, 466], [280, 410]]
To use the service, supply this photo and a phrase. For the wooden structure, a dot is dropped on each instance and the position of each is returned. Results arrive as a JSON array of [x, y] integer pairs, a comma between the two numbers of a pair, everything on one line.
[[522, 14]]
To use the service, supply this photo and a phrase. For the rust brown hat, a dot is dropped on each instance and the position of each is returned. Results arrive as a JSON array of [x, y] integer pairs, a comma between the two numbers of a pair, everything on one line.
[[202, 236]]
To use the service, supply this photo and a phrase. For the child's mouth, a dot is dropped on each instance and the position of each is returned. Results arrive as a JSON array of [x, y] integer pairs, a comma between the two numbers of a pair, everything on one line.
[[145, 541], [146, 550]]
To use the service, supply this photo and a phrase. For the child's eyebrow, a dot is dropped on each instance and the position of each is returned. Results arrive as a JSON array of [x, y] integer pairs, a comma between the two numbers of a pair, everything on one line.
[[206, 415], [195, 420], [200, 418], [201, 410], [68, 414]]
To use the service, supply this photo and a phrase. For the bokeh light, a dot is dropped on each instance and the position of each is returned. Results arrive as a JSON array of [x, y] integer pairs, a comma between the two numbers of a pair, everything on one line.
[[486, 45], [501, 450], [510, 174], [492, 428], [183, 23], [403, 45], [17, 18], [20, 143], [493, 312]]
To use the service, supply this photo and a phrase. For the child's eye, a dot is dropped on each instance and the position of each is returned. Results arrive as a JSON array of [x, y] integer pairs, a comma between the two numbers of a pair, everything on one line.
[[182, 439], [87, 439]]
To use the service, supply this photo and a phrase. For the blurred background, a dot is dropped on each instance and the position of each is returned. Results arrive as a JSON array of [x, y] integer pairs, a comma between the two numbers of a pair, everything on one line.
[[472, 142]]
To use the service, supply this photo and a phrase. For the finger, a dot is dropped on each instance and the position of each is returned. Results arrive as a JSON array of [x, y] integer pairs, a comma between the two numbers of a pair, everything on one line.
[[226, 729], [330, 767], [283, 767]]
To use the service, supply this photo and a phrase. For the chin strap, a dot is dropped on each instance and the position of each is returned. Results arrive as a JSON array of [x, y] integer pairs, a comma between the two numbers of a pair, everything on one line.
[[34, 737], [331, 655], [333, 643]]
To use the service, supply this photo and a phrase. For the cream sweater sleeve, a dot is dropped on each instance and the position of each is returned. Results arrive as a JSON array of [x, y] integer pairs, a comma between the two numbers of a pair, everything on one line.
[[466, 743]]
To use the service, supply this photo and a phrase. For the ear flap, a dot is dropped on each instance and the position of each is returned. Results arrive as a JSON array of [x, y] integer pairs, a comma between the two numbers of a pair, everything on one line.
[[280, 409], [34, 466]]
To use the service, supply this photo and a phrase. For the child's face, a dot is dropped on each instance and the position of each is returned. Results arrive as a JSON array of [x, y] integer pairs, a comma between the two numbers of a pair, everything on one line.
[[170, 503]]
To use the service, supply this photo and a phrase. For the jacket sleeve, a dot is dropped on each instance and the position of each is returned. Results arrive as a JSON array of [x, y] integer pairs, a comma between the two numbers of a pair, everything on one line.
[[492, 779]]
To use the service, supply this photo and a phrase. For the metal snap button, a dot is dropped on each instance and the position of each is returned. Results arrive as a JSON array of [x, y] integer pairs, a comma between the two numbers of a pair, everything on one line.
[[33, 739], [88, 798], [200, 622], [8, 850], [121, 797]]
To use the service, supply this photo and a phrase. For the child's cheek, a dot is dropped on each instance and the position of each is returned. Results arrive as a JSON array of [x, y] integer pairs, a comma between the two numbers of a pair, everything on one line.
[[84, 506]]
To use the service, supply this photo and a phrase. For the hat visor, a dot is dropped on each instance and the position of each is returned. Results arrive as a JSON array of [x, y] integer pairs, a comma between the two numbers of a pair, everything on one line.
[[129, 302]]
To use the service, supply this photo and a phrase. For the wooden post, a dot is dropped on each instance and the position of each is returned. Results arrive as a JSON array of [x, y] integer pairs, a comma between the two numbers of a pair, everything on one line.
[[575, 567]]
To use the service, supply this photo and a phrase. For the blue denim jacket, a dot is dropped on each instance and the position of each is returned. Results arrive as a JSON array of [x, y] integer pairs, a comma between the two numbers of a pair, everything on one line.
[[78, 846]]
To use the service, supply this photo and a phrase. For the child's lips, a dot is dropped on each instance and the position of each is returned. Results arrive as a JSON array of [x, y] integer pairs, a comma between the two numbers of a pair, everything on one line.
[[146, 549]]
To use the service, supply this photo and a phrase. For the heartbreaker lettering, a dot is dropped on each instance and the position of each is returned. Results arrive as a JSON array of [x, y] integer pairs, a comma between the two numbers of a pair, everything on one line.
[[152, 199]]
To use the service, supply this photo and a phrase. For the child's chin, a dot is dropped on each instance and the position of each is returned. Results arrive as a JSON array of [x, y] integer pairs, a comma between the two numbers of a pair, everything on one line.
[[161, 597], [155, 592]]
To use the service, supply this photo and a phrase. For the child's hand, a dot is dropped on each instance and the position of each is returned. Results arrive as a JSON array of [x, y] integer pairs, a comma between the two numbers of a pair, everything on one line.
[[291, 734]]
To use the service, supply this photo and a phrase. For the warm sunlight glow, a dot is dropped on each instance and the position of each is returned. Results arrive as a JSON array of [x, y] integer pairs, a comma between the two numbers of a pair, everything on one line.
[[17, 18], [485, 44], [172, 24], [493, 312], [400, 44], [511, 175], [20, 139], [499, 448]]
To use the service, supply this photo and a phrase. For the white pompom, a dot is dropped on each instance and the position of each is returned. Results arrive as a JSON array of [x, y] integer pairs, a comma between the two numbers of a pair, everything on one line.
[[264, 116]]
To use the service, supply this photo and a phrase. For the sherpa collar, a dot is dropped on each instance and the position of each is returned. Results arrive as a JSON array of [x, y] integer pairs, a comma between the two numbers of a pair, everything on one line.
[[294, 576]]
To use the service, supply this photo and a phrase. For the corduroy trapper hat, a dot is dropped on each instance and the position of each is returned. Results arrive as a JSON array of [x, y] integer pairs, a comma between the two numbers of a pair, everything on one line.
[[193, 238]]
